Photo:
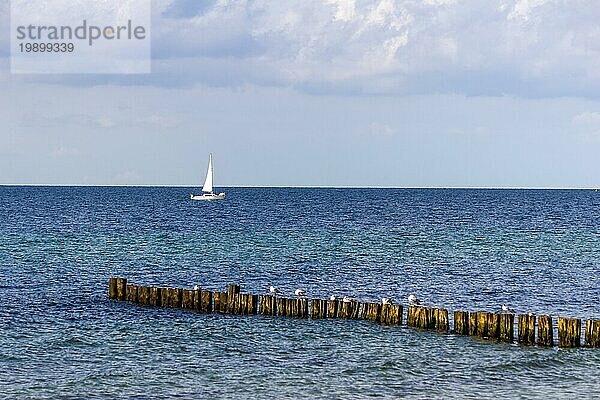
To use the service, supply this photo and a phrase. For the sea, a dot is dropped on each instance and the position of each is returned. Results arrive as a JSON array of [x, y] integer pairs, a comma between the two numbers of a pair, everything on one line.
[[464, 249]]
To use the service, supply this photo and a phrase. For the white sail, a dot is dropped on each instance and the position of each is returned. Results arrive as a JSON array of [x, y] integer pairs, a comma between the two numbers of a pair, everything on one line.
[[208, 182]]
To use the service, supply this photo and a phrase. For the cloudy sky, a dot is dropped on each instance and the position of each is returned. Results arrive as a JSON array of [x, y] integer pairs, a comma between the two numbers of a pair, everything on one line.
[[324, 93]]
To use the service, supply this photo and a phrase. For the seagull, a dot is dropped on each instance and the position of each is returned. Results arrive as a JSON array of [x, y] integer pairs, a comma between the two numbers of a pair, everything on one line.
[[300, 292], [385, 300], [196, 287], [274, 290], [348, 299], [412, 299], [507, 309], [332, 297]]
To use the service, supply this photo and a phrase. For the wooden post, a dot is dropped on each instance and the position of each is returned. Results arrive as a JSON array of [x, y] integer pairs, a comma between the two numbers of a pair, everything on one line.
[[206, 300], [302, 305], [233, 292], [442, 323], [473, 318], [187, 299], [461, 322], [318, 309], [131, 293], [242, 306], [143, 295], [371, 312], [427, 318], [391, 314], [333, 307], [175, 297], [282, 306], [155, 297], [220, 300], [592, 333], [197, 299], [493, 326], [569, 332], [482, 325], [545, 335], [268, 305], [164, 297], [252, 304], [121, 289], [411, 316], [507, 328], [526, 329], [112, 288], [348, 310]]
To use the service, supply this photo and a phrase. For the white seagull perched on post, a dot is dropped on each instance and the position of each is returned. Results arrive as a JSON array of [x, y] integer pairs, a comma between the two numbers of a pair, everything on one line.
[[507, 309], [412, 299], [386, 300], [299, 292], [196, 287], [332, 297], [348, 299], [274, 290]]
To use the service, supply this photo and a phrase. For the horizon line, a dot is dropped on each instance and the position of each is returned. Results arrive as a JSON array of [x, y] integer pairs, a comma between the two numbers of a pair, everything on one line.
[[302, 186]]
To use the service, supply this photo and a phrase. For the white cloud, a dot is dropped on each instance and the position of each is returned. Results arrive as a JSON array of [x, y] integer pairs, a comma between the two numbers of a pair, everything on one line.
[[345, 11], [63, 151], [379, 129], [531, 48], [587, 118]]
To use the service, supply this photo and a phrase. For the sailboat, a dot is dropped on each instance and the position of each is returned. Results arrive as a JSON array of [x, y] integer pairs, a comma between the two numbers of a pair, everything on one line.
[[207, 189]]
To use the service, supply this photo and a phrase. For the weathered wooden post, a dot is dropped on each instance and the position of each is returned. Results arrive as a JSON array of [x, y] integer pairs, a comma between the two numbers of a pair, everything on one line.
[[391, 314], [164, 296], [461, 322], [333, 307], [545, 331], [175, 297], [220, 300], [318, 309], [411, 316], [268, 305], [507, 328], [155, 296], [592, 333], [131, 293], [252, 304], [302, 305], [348, 309], [569, 332], [427, 318], [233, 292], [187, 299], [197, 298], [282, 306], [371, 312], [473, 318], [493, 326], [112, 288], [242, 308], [143, 295], [482, 325], [206, 300], [121, 289], [526, 329], [442, 323]]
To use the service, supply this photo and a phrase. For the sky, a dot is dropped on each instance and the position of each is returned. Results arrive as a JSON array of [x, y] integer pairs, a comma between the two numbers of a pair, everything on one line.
[[430, 93]]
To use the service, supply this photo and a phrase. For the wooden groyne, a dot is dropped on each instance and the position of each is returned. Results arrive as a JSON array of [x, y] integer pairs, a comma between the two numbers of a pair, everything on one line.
[[484, 325]]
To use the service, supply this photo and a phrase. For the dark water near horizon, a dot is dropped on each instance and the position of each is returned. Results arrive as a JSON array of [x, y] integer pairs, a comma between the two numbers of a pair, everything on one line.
[[537, 250]]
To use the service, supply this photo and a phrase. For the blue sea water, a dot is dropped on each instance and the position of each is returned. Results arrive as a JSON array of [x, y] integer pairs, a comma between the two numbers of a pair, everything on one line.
[[61, 337]]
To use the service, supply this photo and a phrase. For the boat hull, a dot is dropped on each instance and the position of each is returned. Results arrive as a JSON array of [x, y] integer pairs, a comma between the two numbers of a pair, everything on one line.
[[207, 196]]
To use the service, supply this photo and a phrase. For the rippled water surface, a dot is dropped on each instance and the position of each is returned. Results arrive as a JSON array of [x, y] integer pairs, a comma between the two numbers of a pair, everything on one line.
[[537, 250]]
